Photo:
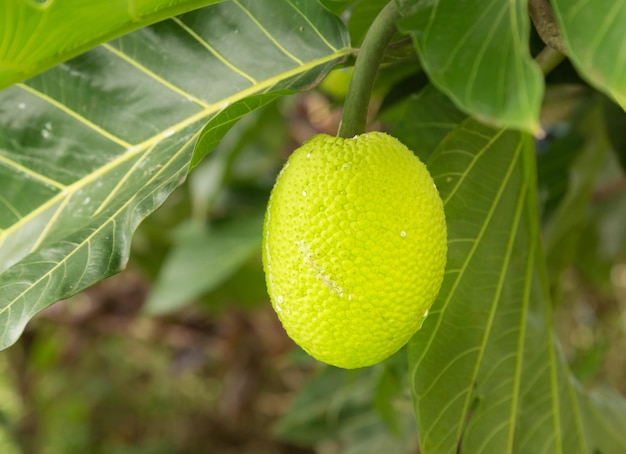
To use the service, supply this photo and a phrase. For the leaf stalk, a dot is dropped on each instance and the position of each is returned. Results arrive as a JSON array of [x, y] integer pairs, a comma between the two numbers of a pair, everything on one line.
[[369, 58]]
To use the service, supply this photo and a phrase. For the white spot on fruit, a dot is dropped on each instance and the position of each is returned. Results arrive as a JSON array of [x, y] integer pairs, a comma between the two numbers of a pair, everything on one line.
[[320, 271], [403, 234], [304, 193]]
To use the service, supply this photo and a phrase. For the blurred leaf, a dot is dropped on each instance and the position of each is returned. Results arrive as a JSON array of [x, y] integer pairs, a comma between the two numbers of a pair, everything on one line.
[[564, 108], [260, 146], [91, 147], [423, 120], [409, 84], [323, 406], [485, 372], [201, 260], [555, 155], [605, 237], [390, 385], [588, 363], [565, 227], [11, 408], [477, 53], [403, 75], [594, 37], [39, 34], [206, 181], [244, 288], [615, 120], [336, 405]]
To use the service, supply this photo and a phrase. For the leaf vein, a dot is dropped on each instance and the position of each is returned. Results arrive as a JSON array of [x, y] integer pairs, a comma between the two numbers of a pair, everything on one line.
[[35, 175], [267, 33], [214, 51], [121, 54], [63, 108]]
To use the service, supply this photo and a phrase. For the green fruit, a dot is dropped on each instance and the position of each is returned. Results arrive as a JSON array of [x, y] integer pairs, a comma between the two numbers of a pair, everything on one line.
[[354, 247]]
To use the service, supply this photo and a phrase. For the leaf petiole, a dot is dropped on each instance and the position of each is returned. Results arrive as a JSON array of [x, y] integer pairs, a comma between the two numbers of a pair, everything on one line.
[[354, 118]]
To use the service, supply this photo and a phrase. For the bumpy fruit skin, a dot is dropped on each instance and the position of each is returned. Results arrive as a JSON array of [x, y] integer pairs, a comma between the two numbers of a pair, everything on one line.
[[354, 247]]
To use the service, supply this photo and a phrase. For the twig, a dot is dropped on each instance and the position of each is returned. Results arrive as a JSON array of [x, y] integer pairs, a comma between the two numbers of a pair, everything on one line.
[[548, 59], [545, 23]]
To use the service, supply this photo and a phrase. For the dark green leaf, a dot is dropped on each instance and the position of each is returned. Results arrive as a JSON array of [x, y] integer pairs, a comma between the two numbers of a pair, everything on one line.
[[336, 406], [390, 387], [477, 53], [555, 156], [604, 247], [423, 120], [484, 369], [564, 229], [594, 37], [615, 119]]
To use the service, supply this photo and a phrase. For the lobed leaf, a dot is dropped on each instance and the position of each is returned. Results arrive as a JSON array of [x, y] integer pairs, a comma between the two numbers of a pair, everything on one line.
[[91, 147], [485, 370]]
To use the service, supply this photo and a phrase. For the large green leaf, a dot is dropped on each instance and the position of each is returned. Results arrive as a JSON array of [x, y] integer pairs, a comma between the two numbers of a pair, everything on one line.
[[91, 147], [476, 52], [594, 36], [485, 371], [38, 34]]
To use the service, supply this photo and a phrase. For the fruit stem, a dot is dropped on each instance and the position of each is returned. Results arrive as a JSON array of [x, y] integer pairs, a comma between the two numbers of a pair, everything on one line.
[[548, 59], [369, 58]]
